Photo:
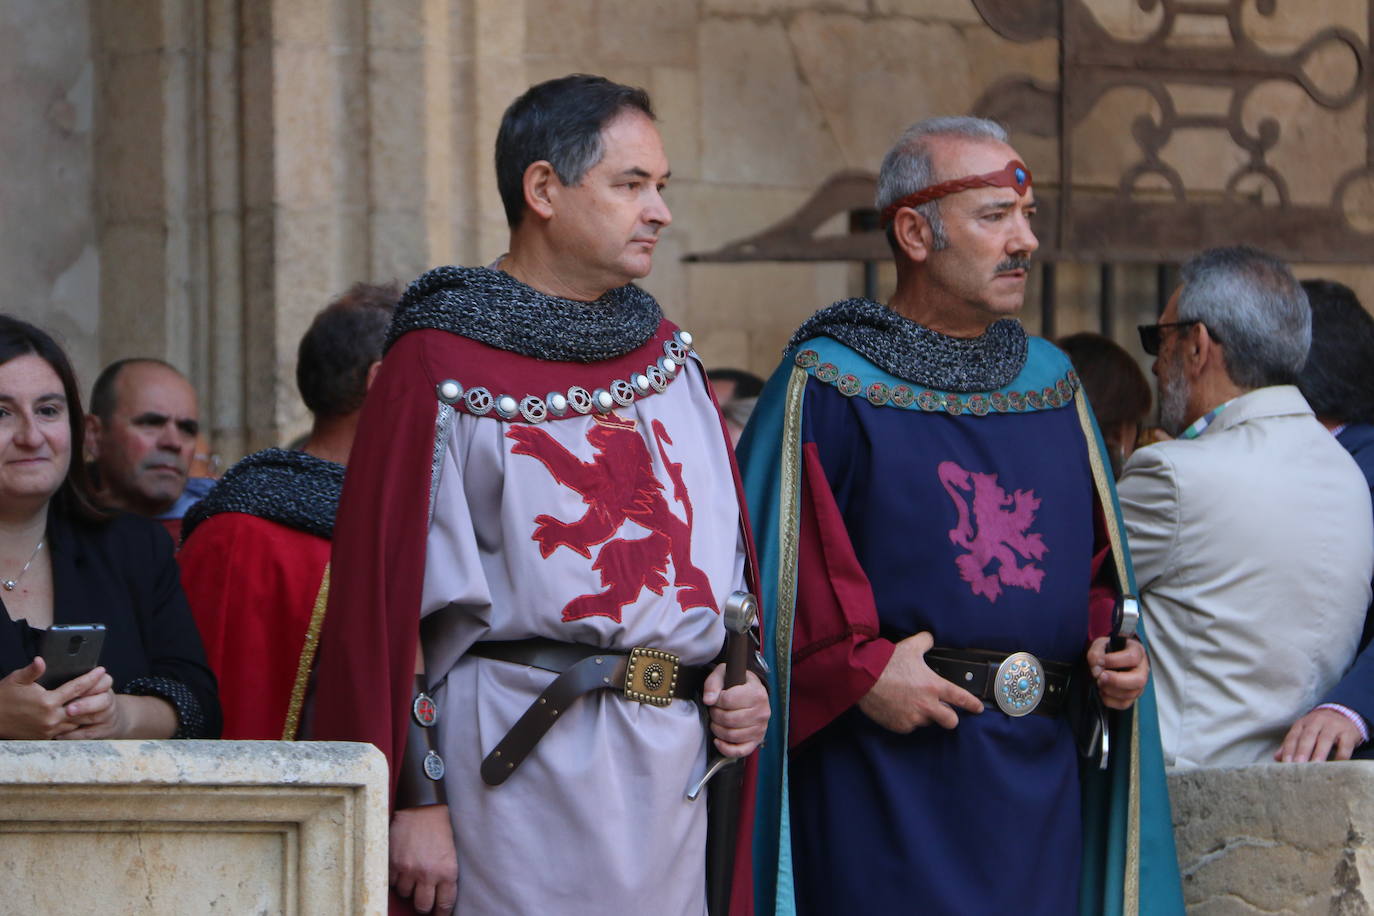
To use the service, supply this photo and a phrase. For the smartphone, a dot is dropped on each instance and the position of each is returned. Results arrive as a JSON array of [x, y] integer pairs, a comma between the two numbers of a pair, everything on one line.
[[70, 650]]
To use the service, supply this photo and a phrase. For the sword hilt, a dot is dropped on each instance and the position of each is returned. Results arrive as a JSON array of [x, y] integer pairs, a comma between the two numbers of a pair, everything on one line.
[[738, 613], [1125, 621]]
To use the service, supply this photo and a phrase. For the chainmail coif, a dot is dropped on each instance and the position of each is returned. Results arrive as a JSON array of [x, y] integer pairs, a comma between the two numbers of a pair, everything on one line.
[[910, 351], [496, 309], [290, 488]]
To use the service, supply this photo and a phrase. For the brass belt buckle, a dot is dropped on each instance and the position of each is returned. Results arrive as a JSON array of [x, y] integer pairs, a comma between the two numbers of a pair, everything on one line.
[[651, 676], [1020, 684]]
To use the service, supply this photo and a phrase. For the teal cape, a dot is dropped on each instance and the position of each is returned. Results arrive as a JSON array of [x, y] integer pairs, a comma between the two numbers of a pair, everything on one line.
[[1129, 862]]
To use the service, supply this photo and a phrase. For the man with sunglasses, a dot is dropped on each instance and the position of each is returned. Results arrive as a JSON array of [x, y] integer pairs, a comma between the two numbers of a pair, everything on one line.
[[1250, 530], [932, 506]]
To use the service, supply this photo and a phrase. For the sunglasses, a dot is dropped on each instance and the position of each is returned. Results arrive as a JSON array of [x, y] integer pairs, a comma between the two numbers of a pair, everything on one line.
[[1150, 334]]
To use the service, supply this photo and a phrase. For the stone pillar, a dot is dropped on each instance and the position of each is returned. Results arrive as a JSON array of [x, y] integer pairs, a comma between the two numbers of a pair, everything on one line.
[[177, 827], [1276, 838], [255, 158], [49, 262], [149, 186]]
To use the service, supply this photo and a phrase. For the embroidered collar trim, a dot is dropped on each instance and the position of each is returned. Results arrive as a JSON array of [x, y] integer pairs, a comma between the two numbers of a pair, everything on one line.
[[980, 404]]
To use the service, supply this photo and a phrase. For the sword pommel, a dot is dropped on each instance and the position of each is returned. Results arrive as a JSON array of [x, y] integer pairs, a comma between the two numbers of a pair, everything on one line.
[[740, 612]]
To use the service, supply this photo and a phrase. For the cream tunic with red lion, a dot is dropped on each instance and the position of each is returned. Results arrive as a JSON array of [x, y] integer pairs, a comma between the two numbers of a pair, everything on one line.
[[615, 529]]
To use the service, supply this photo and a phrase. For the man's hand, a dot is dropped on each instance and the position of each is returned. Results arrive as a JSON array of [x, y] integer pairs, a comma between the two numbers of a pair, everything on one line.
[[1319, 735], [739, 716], [424, 864], [1121, 676], [27, 711], [909, 695]]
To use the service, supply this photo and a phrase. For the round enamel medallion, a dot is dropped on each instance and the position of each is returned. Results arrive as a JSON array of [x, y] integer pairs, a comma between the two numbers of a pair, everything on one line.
[[424, 710]]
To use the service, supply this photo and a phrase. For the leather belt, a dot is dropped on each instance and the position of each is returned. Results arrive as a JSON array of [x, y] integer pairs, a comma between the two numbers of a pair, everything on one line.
[[1018, 682], [643, 674]]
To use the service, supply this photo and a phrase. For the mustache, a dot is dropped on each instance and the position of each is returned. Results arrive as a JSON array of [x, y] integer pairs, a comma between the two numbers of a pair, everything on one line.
[[1012, 264], [156, 462]]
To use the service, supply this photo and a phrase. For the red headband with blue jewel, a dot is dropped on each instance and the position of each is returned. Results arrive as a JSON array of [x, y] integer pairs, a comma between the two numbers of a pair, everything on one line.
[[1012, 175]]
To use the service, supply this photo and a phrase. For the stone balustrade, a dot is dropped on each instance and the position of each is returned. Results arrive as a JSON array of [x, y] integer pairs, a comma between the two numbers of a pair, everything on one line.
[[1275, 838], [192, 827]]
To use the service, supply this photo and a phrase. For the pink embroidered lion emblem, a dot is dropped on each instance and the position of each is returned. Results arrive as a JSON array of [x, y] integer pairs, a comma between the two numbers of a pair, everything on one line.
[[1000, 531]]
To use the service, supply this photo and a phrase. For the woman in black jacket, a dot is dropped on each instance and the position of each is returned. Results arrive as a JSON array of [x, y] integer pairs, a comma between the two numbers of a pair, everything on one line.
[[64, 562]]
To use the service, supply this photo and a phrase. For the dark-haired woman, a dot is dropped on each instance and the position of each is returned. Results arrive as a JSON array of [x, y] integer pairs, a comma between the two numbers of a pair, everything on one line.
[[1116, 388], [62, 562]]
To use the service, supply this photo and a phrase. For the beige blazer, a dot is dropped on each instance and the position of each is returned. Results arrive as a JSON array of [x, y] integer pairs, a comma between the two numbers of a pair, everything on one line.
[[1253, 551]]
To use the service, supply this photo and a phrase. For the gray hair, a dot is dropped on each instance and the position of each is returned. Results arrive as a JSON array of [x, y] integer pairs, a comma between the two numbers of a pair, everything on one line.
[[908, 166], [1256, 308]]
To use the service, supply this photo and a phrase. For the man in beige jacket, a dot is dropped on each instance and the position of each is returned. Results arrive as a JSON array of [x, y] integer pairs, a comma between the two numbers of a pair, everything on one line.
[[1250, 530]]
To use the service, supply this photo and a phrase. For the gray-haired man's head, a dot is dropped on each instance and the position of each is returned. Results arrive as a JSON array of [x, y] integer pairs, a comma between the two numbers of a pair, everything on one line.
[[910, 165]]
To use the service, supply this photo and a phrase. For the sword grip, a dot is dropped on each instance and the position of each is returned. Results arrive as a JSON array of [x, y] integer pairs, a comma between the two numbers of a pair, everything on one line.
[[739, 614]]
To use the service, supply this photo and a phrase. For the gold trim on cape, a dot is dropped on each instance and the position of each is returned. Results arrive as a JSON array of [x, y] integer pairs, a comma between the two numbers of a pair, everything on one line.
[[789, 528], [307, 660], [1130, 886]]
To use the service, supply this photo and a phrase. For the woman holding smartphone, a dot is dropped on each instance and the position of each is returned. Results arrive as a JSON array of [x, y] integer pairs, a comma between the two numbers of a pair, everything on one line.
[[63, 562]]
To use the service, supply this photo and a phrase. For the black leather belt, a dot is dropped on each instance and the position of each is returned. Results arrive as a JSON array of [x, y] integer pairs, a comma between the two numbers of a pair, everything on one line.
[[1018, 682], [643, 674]]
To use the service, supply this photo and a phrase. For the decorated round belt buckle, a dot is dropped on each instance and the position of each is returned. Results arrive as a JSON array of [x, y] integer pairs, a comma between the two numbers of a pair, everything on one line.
[[424, 710], [1020, 684]]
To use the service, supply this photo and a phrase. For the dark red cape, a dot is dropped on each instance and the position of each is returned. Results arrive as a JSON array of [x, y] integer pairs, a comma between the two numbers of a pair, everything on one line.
[[252, 586], [365, 668]]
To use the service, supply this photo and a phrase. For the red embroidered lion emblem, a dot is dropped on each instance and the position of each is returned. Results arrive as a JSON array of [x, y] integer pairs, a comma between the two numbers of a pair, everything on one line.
[[1000, 531], [619, 485]]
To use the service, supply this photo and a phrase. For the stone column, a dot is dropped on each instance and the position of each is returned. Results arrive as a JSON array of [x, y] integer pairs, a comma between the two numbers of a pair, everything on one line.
[[149, 184]]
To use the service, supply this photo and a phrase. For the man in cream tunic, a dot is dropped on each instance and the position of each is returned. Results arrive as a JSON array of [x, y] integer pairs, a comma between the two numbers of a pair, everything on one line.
[[540, 468], [1250, 530]]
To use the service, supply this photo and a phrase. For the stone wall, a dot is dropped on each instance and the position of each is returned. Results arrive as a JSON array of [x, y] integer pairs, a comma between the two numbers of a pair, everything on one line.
[[195, 179]]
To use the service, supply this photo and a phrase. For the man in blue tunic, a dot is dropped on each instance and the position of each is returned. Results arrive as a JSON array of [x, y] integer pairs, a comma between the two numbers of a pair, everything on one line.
[[939, 530]]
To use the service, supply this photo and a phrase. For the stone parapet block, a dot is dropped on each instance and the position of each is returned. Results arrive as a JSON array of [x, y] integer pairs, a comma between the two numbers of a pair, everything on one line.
[[1276, 838], [188, 827]]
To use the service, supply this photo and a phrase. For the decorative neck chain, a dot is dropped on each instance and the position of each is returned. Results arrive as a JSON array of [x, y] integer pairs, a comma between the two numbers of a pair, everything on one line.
[[498, 310], [910, 351], [11, 584]]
